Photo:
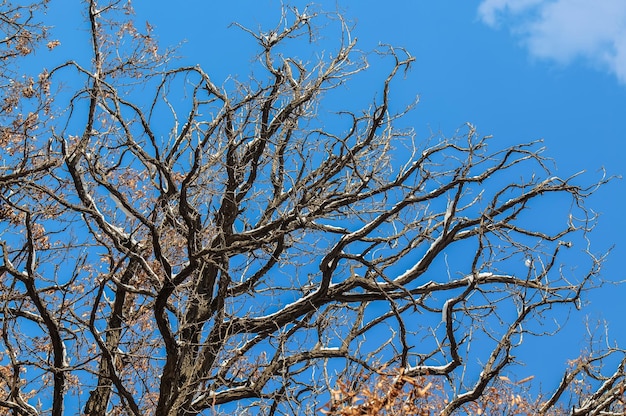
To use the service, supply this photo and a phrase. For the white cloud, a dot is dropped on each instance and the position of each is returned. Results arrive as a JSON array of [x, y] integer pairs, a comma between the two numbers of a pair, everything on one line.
[[490, 9], [564, 30]]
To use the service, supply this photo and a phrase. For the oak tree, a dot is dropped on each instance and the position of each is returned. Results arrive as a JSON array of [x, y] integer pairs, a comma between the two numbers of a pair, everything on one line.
[[171, 245]]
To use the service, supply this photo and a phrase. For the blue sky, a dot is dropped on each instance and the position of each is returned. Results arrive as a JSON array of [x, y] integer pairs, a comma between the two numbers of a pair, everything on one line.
[[519, 70]]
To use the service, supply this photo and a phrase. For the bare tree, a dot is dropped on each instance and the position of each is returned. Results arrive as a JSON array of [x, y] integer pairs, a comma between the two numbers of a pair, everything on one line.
[[175, 247]]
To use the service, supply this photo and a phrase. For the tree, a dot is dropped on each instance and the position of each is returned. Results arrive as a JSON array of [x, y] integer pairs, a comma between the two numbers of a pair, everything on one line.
[[174, 247]]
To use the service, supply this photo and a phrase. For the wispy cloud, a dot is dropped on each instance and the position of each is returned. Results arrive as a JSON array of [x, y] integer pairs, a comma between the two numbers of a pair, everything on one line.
[[564, 30]]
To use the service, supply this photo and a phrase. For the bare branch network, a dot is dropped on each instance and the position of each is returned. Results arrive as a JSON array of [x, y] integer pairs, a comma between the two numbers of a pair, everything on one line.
[[171, 246]]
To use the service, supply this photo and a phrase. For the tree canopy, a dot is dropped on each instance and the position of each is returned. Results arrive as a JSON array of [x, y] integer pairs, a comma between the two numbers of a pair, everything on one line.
[[171, 246]]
